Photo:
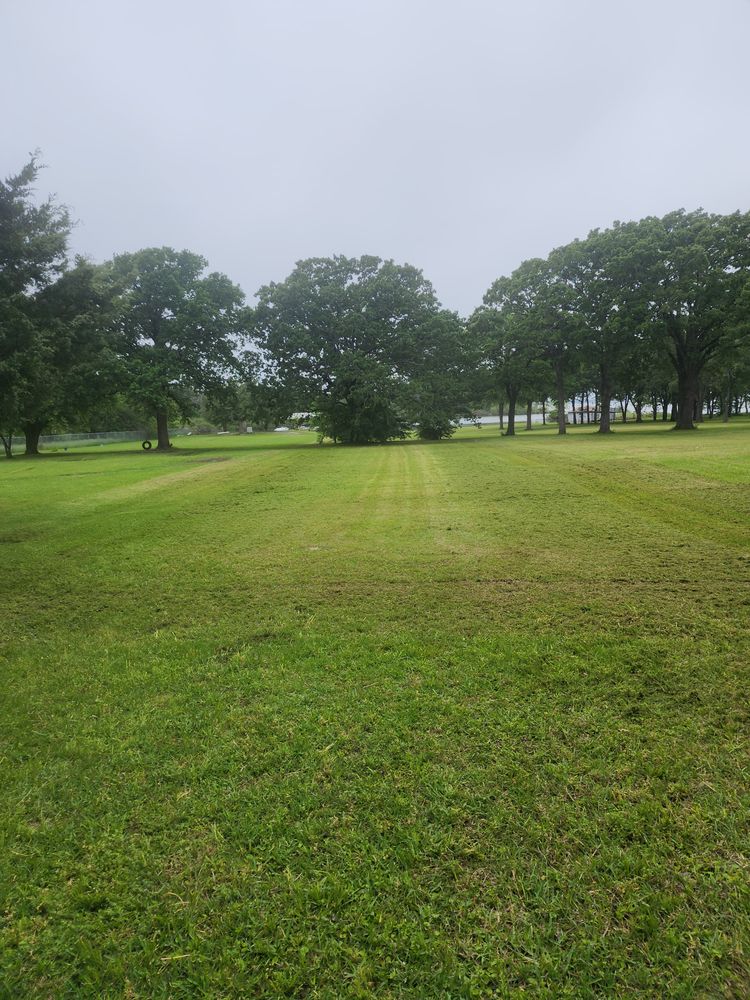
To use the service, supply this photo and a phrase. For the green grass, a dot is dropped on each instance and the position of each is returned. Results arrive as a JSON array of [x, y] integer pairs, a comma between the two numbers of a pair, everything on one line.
[[466, 719]]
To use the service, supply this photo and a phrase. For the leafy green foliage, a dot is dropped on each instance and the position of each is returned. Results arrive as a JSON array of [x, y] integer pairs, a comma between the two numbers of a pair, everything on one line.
[[33, 247], [177, 329], [696, 266], [340, 335], [33, 237], [619, 306], [442, 358], [73, 367], [527, 319], [363, 404]]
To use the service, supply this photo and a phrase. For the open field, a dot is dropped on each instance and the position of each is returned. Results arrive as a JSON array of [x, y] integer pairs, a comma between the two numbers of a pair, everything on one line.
[[466, 719]]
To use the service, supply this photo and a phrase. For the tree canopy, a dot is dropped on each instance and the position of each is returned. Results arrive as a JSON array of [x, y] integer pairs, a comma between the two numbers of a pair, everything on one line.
[[650, 314], [176, 329], [343, 336], [33, 249]]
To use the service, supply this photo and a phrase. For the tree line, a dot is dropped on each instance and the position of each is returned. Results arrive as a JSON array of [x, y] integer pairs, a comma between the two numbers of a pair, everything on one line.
[[654, 314]]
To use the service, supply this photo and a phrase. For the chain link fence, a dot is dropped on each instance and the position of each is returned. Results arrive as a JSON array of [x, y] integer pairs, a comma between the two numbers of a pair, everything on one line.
[[82, 440]]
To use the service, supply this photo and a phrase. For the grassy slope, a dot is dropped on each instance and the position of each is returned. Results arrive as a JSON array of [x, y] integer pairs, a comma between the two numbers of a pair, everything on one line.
[[455, 720]]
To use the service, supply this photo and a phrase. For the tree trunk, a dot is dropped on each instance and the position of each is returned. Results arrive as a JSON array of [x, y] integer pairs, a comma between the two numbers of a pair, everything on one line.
[[654, 408], [674, 403], [162, 431], [7, 444], [624, 410], [687, 394], [529, 404], [638, 406], [560, 385], [605, 400], [510, 432], [501, 410], [573, 409], [544, 412], [726, 408], [32, 433]]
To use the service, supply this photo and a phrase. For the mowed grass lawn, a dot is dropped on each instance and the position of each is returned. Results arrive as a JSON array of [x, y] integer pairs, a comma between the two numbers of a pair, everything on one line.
[[465, 719]]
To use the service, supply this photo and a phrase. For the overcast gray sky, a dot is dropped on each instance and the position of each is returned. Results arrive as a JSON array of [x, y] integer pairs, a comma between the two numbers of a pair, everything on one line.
[[461, 137]]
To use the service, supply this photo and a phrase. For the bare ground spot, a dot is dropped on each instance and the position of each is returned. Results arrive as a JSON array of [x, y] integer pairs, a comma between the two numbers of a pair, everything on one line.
[[15, 537]]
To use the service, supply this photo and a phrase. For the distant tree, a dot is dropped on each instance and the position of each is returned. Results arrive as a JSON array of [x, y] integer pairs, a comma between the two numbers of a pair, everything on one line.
[[557, 325], [697, 266], [177, 330], [508, 349], [363, 404], [17, 343], [229, 404], [604, 271], [72, 367], [621, 301], [728, 371], [640, 367], [113, 412], [33, 238], [338, 333], [270, 404], [33, 248], [539, 305], [248, 400], [439, 363]]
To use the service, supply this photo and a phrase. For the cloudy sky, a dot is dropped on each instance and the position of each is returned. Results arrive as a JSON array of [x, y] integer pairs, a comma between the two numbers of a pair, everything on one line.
[[461, 137]]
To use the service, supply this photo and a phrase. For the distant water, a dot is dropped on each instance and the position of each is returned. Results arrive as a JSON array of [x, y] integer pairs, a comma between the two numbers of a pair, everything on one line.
[[536, 418]]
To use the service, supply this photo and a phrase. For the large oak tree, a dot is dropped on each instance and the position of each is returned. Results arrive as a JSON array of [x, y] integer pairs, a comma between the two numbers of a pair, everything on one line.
[[340, 335], [177, 329], [697, 266]]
